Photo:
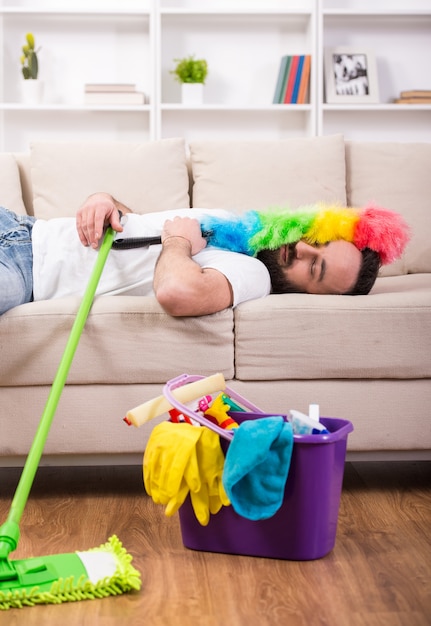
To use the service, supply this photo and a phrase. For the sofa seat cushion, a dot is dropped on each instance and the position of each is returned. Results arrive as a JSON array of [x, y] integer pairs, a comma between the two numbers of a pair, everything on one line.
[[126, 340], [299, 336]]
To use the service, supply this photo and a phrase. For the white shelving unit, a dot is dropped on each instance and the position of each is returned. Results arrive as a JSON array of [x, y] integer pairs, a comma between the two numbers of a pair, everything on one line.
[[136, 41]]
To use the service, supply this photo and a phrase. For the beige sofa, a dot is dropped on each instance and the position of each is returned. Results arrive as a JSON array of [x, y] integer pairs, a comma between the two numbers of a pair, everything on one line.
[[366, 358]]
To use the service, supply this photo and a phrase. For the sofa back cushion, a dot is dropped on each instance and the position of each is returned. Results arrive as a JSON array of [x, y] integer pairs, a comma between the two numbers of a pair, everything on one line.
[[241, 175], [397, 176], [11, 196], [149, 176]]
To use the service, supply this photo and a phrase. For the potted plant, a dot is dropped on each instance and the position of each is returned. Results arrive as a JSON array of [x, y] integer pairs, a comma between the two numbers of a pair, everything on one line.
[[32, 87], [191, 74]]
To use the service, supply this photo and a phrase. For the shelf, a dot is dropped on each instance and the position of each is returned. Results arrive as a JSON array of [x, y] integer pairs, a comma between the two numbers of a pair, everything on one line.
[[6, 106], [136, 41], [84, 12], [380, 108], [236, 11], [281, 108], [349, 13]]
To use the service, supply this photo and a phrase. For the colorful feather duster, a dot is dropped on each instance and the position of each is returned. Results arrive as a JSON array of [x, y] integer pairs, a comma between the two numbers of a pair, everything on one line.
[[373, 227]]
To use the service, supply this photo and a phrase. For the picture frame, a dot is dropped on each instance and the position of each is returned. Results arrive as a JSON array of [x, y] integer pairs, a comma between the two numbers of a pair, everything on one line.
[[351, 76]]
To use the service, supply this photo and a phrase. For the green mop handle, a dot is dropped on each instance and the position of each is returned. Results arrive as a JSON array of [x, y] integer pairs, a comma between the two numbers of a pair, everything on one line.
[[9, 532]]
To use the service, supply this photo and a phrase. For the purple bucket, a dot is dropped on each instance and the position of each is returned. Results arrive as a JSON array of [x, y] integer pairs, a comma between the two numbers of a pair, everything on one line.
[[305, 526]]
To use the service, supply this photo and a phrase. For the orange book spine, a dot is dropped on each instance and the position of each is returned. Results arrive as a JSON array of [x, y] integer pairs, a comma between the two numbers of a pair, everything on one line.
[[303, 87]]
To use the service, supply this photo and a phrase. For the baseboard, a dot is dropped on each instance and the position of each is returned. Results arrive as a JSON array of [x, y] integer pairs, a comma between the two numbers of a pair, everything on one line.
[[76, 460], [389, 455], [82, 460]]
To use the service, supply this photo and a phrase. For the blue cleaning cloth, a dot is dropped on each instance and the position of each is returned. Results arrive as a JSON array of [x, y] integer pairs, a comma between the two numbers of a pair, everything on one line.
[[257, 465]]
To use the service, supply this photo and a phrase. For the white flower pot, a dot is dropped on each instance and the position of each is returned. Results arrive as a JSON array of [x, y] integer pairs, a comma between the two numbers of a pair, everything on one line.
[[192, 93], [31, 91]]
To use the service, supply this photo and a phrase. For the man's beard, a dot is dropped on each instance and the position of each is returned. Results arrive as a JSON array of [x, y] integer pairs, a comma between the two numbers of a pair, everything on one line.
[[280, 283]]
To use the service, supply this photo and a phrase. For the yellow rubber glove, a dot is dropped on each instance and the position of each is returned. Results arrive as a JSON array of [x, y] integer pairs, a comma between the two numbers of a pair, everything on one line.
[[210, 496], [201, 505], [210, 459], [170, 465]]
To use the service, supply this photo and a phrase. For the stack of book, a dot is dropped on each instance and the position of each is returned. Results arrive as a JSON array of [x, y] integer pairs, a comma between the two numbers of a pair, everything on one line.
[[293, 80], [414, 96], [112, 93]]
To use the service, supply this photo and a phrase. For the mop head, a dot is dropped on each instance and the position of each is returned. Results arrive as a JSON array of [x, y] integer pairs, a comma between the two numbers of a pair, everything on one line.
[[97, 573], [372, 227]]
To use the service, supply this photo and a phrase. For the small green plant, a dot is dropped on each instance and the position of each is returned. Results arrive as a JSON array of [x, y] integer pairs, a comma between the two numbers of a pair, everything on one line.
[[29, 62], [190, 70]]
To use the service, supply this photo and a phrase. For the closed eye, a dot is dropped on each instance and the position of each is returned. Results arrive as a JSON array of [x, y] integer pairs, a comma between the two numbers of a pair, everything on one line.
[[322, 270], [313, 267]]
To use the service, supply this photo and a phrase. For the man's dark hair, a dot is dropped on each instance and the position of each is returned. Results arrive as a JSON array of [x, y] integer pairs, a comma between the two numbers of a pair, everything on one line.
[[366, 278], [367, 274]]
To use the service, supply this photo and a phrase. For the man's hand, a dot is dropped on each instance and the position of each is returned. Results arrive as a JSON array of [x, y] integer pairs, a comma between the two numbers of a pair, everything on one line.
[[99, 210], [186, 228]]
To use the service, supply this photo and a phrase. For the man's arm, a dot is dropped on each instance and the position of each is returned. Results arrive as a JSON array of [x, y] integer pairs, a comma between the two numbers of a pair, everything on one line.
[[99, 210], [182, 287]]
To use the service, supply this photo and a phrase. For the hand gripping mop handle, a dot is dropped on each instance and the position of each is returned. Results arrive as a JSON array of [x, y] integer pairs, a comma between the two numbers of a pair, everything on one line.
[[9, 532]]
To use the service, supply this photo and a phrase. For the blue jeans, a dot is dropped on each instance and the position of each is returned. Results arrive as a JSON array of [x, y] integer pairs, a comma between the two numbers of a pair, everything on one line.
[[16, 259]]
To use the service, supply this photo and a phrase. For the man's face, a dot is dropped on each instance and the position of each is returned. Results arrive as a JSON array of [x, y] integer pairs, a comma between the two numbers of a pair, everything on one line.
[[332, 268]]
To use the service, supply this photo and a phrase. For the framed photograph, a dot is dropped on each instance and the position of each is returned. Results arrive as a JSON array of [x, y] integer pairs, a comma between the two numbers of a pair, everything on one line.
[[350, 76]]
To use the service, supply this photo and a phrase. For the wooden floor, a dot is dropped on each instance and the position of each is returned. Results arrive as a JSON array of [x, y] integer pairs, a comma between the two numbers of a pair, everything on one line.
[[379, 573]]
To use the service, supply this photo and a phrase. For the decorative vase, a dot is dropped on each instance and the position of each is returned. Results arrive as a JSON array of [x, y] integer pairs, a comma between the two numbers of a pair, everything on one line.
[[192, 93], [32, 91]]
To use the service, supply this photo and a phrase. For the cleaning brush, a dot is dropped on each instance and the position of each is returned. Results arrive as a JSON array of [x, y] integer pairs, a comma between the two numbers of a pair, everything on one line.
[[96, 573]]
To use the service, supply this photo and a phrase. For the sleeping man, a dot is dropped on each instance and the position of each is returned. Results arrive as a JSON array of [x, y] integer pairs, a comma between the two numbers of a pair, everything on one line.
[[207, 260]]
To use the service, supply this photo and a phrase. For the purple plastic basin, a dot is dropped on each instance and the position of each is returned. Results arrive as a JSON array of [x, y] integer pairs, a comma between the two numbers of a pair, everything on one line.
[[305, 526]]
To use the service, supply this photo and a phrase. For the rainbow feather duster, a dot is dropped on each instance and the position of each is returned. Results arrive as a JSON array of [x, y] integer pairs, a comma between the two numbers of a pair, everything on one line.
[[373, 227]]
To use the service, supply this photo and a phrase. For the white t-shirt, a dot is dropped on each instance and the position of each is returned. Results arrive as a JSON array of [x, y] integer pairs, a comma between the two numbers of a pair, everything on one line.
[[62, 265]]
